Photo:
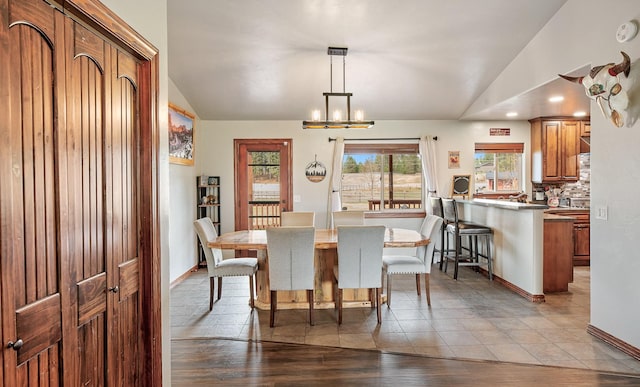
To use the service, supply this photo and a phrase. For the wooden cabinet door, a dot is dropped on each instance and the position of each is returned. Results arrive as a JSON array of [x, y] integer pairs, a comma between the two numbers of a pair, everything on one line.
[[552, 161], [569, 150], [582, 244]]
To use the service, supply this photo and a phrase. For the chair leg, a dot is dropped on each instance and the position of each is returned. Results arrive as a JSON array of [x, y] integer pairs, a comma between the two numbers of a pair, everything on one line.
[[219, 287], [371, 295], [426, 288], [388, 290], [211, 286], [339, 306], [274, 306], [418, 284], [378, 299], [310, 299], [251, 297], [457, 256], [489, 263]]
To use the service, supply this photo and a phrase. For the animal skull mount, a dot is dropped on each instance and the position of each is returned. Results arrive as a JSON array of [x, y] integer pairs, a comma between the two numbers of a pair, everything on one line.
[[603, 85]]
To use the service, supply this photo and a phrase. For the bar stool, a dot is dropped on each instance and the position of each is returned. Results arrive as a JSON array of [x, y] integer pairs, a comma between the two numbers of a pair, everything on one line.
[[457, 229]]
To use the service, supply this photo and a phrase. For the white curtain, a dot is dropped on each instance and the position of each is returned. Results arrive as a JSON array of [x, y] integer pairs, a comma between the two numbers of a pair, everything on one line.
[[334, 203], [427, 147]]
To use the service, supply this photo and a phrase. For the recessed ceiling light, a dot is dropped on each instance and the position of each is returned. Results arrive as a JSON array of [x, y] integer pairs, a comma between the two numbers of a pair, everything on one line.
[[556, 98], [512, 114], [579, 114]]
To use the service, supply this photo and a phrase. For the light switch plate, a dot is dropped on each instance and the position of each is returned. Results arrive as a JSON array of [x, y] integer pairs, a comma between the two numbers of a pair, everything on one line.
[[601, 213]]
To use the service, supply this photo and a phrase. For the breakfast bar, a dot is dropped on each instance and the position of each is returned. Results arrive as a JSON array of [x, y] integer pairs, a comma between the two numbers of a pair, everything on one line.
[[518, 240]]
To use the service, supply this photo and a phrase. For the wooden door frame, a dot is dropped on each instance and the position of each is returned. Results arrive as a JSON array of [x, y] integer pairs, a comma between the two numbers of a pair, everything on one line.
[[238, 176], [98, 17]]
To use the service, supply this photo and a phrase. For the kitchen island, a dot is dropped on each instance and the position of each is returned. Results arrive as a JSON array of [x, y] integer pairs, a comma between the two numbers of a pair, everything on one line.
[[518, 242]]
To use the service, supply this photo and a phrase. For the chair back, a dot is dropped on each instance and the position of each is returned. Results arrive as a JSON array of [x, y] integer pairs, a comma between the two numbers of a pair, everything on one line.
[[360, 256], [290, 251], [207, 233], [348, 218], [297, 218], [431, 227], [450, 210], [436, 206]]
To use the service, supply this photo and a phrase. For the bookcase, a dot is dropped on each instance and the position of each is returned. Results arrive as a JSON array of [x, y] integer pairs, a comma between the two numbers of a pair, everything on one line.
[[208, 205]]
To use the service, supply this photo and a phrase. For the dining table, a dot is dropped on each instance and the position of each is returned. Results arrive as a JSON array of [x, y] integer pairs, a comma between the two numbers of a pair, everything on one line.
[[254, 242]]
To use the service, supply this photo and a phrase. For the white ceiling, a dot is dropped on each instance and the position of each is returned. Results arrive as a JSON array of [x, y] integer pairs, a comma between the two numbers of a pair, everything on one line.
[[407, 59]]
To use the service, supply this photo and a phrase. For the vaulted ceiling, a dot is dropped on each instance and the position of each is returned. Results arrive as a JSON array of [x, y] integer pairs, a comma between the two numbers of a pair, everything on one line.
[[407, 59]]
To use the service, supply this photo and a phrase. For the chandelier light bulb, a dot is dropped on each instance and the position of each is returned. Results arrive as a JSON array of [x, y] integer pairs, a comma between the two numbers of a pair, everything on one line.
[[337, 115], [359, 115], [315, 115]]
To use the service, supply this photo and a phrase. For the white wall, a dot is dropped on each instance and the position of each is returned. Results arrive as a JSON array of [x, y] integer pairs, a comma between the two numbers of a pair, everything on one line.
[[217, 137], [583, 32], [182, 206], [149, 18]]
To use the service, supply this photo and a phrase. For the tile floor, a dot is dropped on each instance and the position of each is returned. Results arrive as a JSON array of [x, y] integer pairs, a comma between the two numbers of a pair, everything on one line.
[[471, 318]]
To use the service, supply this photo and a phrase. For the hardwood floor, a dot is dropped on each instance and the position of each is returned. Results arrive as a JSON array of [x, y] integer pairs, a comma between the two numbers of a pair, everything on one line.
[[207, 362], [474, 333]]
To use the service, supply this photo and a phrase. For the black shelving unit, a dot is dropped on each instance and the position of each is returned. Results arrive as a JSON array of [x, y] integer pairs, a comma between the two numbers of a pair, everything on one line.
[[208, 205]]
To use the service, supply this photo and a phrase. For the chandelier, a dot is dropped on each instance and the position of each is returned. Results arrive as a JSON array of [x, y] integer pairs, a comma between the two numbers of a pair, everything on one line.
[[337, 122]]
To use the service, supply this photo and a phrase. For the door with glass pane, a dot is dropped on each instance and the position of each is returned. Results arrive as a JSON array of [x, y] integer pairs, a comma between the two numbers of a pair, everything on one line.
[[262, 182]]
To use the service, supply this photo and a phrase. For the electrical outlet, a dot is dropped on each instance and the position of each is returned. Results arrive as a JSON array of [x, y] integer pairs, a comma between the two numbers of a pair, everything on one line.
[[601, 213]]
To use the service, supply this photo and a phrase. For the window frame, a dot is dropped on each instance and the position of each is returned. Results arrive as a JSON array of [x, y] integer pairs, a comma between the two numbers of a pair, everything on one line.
[[500, 148], [387, 149]]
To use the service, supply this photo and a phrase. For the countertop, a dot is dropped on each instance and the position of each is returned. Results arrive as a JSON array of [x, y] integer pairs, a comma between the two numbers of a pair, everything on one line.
[[505, 204]]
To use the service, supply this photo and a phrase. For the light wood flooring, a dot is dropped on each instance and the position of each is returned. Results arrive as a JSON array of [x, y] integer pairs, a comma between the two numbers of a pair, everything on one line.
[[479, 323]]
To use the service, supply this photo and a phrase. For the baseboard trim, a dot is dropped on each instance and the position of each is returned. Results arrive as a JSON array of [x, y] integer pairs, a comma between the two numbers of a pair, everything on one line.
[[537, 298], [614, 341], [183, 277]]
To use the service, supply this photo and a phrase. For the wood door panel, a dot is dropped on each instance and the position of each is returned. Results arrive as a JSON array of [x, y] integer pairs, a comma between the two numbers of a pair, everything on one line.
[[92, 342], [92, 298], [34, 12], [89, 44], [39, 326], [129, 272]]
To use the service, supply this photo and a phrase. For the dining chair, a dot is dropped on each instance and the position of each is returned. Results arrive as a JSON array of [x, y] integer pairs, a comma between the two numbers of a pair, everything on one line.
[[436, 209], [458, 228], [290, 253], [359, 263], [297, 218], [348, 218], [419, 263], [219, 267]]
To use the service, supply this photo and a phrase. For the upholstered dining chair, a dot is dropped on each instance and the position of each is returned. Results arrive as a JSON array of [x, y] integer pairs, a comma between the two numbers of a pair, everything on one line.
[[290, 252], [436, 209], [297, 218], [359, 263], [348, 218], [219, 267], [417, 264]]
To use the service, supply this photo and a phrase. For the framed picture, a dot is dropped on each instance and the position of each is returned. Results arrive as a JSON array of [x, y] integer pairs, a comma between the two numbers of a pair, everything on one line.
[[454, 159], [181, 139]]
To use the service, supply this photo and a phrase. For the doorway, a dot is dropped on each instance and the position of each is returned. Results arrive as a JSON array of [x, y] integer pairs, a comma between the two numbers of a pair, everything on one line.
[[263, 188]]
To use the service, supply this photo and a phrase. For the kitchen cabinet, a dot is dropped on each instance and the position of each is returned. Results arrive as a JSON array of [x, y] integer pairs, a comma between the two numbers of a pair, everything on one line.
[[555, 145], [557, 270], [581, 234], [581, 240]]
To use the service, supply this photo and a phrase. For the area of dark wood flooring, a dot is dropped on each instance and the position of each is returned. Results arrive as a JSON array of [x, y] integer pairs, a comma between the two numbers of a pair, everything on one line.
[[208, 362]]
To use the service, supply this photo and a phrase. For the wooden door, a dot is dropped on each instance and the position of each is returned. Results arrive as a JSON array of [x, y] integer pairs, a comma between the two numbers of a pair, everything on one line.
[[262, 182], [70, 209]]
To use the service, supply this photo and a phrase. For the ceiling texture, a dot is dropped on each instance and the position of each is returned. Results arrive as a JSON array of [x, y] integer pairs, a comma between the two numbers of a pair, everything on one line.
[[407, 59]]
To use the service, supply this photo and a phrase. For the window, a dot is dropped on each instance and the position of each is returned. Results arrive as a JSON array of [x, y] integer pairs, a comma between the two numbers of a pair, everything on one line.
[[379, 177], [498, 168]]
